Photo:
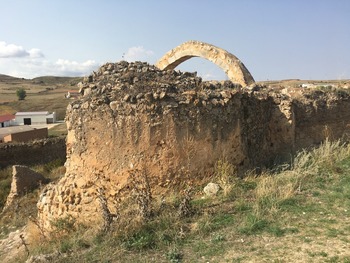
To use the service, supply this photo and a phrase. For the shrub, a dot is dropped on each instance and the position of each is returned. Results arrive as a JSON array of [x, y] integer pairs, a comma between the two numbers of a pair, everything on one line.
[[21, 93]]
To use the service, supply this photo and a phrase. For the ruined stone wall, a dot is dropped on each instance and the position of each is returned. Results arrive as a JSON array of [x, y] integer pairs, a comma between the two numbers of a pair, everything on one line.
[[24, 180], [174, 127], [320, 115], [27, 136], [32, 153]]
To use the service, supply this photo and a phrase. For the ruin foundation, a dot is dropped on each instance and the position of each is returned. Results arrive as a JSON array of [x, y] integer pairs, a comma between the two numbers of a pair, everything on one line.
[[174, 127]]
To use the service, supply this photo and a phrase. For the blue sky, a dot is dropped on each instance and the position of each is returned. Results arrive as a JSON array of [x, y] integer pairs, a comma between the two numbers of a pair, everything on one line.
[[275, 39]]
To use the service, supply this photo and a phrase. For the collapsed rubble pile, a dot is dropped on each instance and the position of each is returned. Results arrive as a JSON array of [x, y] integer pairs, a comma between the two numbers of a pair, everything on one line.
[[141, 83]]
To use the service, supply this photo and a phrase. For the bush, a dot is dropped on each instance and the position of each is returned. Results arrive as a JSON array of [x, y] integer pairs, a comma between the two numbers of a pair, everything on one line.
[[21, 93]]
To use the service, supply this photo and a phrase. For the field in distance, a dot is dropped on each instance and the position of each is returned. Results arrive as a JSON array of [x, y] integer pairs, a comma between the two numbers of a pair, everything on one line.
[[43, 94]]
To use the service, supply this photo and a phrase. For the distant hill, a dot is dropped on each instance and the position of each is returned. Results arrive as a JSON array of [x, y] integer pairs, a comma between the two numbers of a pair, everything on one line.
[[56, 80], [9, 82], [46, 93], [46, 80], [299, 82], [6, 78]]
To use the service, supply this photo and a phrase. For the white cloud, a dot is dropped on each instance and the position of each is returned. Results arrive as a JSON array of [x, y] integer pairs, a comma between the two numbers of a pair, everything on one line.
[[35, 53], [19, 62], [15, 51], [138, 54], [31, 68], [72, 68], [208, 76]]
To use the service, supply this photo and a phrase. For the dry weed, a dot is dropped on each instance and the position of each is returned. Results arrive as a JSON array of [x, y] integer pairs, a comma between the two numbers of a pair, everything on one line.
[[226, 175], [35, 231], [271, 190], [274, 188], [141, 190], [106, 213], [185, 208], [328, 133]]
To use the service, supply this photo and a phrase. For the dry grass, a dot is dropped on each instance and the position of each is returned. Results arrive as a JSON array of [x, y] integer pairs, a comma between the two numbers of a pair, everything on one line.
[[226, 175], [58, 130]]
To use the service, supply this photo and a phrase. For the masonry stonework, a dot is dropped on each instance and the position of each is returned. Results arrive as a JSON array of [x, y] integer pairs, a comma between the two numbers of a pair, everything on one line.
[[229, 63], [24, 180], [32, 153], [175, 127]]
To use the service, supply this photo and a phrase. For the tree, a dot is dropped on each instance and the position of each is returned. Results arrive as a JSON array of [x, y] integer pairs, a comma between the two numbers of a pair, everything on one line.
[[21, 93]]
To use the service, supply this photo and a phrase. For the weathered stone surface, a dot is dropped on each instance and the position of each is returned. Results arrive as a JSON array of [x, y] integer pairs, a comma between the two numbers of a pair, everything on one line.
[[12, 246], [211, 189], [230, 64], [175, 127], [24, 180]]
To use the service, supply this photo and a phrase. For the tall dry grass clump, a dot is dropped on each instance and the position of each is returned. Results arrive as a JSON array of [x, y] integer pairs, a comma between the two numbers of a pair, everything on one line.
[[226, 174], [274, 188]]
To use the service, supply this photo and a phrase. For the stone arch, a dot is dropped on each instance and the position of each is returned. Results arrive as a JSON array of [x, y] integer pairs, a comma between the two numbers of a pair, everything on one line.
[[230, 64]]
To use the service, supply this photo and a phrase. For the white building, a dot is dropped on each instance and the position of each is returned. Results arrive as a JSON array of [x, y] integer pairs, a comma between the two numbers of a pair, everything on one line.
[[35, 117], [6, 120]]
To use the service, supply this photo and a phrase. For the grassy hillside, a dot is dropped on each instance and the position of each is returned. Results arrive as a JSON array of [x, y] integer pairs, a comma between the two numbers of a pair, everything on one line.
[[296, 213], [43, 94]]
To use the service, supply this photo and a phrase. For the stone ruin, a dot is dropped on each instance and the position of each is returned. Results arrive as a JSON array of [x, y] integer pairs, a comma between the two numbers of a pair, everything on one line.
[[24, 180], [229, 63], [171, 125]]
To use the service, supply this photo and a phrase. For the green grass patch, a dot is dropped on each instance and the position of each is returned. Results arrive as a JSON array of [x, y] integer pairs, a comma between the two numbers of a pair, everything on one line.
[[141, 240], [216, 222], [253, 225]]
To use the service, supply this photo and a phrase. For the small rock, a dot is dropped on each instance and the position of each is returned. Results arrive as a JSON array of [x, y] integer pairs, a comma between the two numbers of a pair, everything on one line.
[[155, 95], [76, 106], [214, 101], [87, 91], [211, 189], [162, 95], [88, 79], [149, 96], [133, 99], [139, 96]]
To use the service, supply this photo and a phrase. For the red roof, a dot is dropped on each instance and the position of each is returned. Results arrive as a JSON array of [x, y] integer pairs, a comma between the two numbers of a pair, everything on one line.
[[7, 117]]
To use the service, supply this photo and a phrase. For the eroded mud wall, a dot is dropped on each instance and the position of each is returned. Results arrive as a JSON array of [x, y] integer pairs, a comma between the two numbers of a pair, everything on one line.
[[134, 118]]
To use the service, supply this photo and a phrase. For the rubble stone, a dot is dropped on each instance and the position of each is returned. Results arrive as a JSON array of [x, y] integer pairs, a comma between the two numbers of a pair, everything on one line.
[[175, 127], [24, 180]]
